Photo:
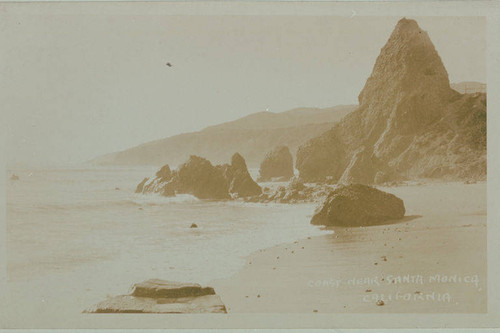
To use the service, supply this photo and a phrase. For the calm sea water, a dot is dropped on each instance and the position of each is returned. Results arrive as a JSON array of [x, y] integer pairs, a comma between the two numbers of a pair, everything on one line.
[[88, 230]]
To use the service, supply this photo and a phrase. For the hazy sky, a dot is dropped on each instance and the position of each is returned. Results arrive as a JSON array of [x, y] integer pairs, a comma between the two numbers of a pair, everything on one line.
[[75, 86]]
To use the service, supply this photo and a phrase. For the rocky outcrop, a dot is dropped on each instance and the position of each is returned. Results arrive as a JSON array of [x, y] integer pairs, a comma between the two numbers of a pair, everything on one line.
[[409, 125], [278, 164], [140, 186], [358, 205], [160, 296], [240, 183], [294, 192], [164, 173], [201, 179]]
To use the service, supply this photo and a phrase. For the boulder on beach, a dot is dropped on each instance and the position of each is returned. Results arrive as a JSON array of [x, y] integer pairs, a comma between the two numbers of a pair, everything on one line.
[[201, 179], [161, 296], [358, 205], [278, 164]]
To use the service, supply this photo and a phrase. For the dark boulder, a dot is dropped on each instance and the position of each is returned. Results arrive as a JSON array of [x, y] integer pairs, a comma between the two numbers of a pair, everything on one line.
[[358, 205], [277, 164]]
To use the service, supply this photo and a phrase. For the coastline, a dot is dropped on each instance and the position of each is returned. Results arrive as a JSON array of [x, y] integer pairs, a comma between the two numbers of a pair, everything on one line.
[[428, 263]]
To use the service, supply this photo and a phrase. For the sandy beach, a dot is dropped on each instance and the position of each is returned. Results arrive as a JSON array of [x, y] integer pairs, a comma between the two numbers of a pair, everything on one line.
[[432, 261]]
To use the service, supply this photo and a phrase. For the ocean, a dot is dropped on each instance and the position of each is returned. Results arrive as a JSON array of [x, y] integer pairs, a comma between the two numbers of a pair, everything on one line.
[[76, 235]]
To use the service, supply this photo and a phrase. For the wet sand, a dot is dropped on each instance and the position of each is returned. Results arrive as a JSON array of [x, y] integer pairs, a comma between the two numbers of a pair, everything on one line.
[[434, 260]]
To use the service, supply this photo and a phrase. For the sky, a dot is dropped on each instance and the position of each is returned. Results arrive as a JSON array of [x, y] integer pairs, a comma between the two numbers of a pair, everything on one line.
[[77, 86]]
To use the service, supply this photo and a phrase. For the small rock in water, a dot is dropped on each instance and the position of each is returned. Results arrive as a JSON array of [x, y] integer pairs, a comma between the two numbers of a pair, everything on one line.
[[14, 177], [380, 302], [315, 310], [258, 296], [194, 225], [117, 188], [368, 290]]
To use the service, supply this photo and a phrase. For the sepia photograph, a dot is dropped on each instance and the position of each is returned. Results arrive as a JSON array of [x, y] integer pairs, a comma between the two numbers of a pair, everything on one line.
[[221, 165]]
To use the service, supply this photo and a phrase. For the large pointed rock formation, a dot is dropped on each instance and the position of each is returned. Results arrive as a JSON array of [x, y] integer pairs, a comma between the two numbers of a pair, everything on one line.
[[410, 124]]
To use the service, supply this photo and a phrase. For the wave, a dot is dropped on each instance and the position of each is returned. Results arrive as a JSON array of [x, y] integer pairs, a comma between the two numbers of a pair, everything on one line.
[[155, 199], [137, 200]]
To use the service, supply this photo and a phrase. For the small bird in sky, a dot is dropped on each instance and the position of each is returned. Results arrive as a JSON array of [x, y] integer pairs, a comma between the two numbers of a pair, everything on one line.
[[169, 64]]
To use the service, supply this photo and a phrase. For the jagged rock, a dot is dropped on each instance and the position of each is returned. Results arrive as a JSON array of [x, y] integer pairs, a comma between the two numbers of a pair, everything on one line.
[[160, 296], [158, 185], [277, 164], [240, 183], [410, 124], [358, 205], [164, 173], [140, 187], [200, 178]]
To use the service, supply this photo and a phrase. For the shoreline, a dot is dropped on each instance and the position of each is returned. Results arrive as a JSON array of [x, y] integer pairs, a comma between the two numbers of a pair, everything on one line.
[[429, 263]]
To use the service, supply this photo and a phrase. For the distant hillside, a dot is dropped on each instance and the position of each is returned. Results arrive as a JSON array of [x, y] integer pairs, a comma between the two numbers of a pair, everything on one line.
[[251, 136], [469, 87], [292, 118]]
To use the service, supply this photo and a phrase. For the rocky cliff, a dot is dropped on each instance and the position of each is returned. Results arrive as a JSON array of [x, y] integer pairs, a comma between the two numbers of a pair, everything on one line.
[[410, 124]]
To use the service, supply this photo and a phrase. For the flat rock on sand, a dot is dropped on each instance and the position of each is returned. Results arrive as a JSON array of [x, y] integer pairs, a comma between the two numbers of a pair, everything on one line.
[[160, 296], [156, 288]]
